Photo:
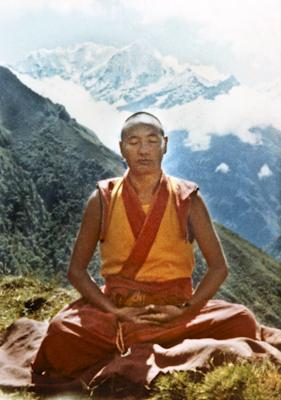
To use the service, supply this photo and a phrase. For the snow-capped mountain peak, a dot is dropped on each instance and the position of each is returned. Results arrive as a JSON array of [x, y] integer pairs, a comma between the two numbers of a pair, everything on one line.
[[133, 76], [64, 62]]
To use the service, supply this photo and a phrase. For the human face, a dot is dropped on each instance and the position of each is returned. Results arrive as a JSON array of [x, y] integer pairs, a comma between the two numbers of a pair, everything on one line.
[[143, 148]]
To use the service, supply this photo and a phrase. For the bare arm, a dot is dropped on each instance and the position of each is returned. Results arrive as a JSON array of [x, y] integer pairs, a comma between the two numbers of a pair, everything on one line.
[[210, 246], [82, 253], [84, 247]]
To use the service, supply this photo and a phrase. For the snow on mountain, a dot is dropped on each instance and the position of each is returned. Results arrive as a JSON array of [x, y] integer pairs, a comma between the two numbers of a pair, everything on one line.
[[126, 73], [68, 63], [264, 172], [188, 87], [132, 77], [222, 167], [234, 129], [194, 98]]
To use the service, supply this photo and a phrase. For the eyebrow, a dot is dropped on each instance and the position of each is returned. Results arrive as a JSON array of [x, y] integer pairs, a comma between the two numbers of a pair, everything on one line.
[[132, 136], [153, 134], [135, 137]]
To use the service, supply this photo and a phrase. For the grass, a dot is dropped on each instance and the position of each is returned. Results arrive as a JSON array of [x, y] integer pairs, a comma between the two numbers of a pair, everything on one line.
[[35, 298], [19, 395], [28, 296], [242, 381]]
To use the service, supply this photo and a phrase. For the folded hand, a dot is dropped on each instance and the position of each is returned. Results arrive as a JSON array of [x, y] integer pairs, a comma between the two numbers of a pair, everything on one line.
[[155, 314]]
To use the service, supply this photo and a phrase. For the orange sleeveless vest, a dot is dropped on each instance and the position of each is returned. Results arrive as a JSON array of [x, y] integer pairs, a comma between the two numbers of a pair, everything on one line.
[[175, 211]]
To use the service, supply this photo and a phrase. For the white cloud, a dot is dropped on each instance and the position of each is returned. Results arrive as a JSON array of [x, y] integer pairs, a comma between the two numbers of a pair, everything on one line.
[[224, 20], [250, 28], [209, 72], [13, 9], [222, 167], [264, 172], [236, 112], [92, 7], [100, 117]]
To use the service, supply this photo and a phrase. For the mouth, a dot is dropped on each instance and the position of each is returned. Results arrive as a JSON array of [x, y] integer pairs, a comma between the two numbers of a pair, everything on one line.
[[144, 161]]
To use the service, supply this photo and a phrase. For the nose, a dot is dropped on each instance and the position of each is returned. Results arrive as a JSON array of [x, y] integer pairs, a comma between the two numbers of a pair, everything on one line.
[[143, 147]]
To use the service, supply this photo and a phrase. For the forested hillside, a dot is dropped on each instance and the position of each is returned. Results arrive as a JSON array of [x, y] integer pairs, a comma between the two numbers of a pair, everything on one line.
[[49, 166]]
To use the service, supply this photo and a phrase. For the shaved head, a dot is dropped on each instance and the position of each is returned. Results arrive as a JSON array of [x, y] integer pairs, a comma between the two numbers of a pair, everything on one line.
[[141, 118]]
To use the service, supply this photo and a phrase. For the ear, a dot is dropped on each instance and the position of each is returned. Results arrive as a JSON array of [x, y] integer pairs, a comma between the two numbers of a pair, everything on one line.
[[121, 144], [165, 144]]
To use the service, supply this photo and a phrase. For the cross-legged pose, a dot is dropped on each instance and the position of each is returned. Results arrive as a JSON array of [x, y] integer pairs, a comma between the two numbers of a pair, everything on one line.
[[145, 224]]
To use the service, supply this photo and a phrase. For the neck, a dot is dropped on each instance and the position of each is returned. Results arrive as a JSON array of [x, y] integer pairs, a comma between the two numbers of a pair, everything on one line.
[[145, 183]]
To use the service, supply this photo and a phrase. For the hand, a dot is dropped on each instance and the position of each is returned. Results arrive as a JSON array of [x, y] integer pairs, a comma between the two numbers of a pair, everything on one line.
[[153, 314], [159, 314], [131, 314]]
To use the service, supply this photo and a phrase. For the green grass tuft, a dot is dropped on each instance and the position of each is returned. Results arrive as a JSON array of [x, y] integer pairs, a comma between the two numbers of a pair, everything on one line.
[[260, 380], [28, 296], [176, 386]]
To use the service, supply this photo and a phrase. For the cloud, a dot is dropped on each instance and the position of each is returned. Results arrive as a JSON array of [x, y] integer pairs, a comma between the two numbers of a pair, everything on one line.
[[13, 9], [104, 119], [236, 112], [264, 172], [250, 28], [223, 167], [240, 37], [224, 20]]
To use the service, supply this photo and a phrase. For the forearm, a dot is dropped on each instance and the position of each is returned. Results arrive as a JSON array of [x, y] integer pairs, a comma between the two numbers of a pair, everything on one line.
[[88, 288], [209, 243], [208, 286]]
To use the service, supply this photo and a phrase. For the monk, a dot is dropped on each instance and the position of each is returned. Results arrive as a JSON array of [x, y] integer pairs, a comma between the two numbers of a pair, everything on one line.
[[145, 224]]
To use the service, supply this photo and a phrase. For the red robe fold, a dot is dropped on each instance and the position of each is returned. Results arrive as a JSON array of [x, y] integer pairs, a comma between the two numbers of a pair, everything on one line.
[[144, 227]]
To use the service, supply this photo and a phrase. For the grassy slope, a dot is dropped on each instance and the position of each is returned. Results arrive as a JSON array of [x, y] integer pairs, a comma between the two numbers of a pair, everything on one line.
[[254, 277], [34, 298], [31, 297]]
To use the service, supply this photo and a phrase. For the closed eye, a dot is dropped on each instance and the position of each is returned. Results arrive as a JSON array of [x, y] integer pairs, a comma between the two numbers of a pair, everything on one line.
[[133, 141]]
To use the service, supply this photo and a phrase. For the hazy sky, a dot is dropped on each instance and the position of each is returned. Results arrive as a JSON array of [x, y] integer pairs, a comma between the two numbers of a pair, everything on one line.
[[242, 37]]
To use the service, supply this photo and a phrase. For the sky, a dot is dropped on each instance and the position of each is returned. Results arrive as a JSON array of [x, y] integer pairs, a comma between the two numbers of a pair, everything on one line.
[[239, 37], [242, 37]]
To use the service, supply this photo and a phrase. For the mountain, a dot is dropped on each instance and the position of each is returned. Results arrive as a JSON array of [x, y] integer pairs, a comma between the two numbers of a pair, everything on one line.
[[133, 77], [49, 166], [68, 63], [239, 181], [274, 248], [254, 277]]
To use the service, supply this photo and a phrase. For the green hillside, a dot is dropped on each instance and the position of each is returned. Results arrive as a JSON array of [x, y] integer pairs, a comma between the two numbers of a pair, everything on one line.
[[254, 277], [49, 166], [253, 280]]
